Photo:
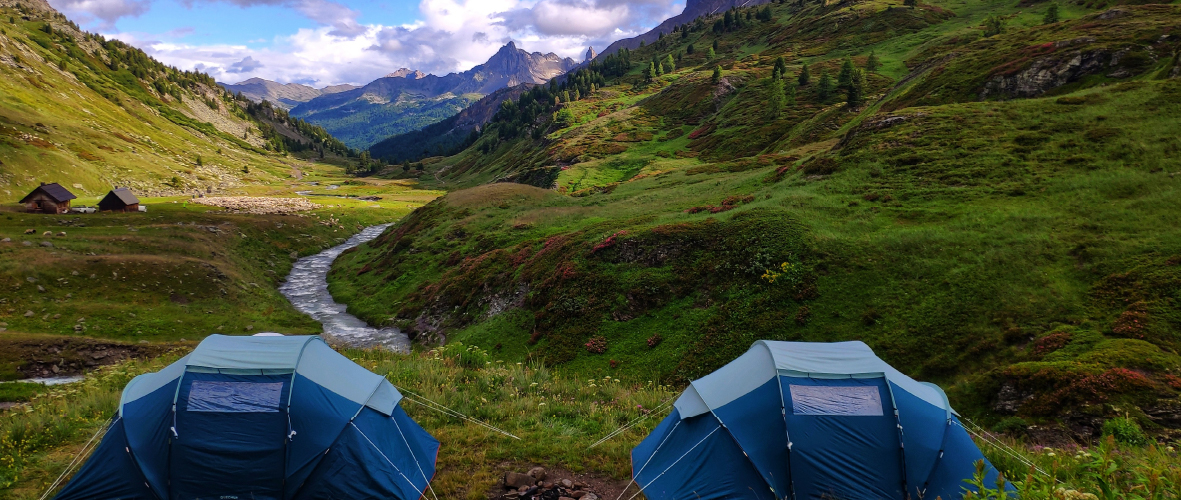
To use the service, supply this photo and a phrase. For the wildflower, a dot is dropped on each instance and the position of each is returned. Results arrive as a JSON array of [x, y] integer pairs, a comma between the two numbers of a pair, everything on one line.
[[1169, 449], [1050, 454], [533, 384], [540, 404]]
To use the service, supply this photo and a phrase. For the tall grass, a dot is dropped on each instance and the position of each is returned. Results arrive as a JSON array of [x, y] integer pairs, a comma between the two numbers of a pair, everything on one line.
[[558, 416]]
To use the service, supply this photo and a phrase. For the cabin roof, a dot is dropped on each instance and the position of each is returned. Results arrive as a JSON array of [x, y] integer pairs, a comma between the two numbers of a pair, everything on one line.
[[53, 190], [123, 194]]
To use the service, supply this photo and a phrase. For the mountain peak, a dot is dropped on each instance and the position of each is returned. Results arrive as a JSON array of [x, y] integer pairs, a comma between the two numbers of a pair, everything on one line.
[[590, 54], [407, 73]]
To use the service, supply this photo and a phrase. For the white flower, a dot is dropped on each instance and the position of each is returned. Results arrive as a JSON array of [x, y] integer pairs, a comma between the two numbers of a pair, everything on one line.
[[1050, 454], [540, 404]]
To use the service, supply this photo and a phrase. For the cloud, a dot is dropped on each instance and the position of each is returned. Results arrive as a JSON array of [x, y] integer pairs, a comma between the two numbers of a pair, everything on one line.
[[103, 12], [448, 36], [246, 65]]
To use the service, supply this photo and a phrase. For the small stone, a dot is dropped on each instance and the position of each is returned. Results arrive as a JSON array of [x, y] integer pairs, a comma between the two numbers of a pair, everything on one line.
[[57, 316], [69, 295], [565, 498], [538, 473], [40, 288], [590, 496], [294, 255], [568, 484], [77, 328], [249, 327], [142, 341], [73, 273], [61, 233], [6, 240], [578, 494], [55, 369], [29, 314], [27, 243], [132, 314], [47, 244]]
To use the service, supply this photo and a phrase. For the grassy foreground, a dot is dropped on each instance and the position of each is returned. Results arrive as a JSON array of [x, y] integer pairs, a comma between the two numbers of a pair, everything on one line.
[[558, 415]]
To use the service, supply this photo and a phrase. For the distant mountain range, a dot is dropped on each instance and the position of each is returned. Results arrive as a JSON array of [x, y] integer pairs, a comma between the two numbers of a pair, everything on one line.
[[282, 95], [408, 100]]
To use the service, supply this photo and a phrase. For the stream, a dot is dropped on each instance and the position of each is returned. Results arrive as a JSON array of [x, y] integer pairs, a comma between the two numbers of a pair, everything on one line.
[[307, 289]]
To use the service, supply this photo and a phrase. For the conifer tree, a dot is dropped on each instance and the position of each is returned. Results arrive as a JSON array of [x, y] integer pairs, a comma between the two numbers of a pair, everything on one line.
[[855, 93], [791, 94], [711, 54], [845, 77], [805, 77], [651, 71], [670, 64], [660, 69], [781, 65], [690, 49], [775, 99], [717, 74], [1051, 14], [872, 64], [824, 88]]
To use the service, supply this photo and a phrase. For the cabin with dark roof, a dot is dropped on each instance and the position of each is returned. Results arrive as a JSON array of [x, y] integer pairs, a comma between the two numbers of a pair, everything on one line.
[[120, 199], [49, 199]]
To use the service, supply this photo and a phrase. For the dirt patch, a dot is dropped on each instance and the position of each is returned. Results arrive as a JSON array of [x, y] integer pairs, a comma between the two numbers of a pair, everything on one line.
[[29, 356], [602, 487]]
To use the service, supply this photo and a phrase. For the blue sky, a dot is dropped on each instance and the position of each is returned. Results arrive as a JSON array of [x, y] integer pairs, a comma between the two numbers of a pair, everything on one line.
[[328, 42]]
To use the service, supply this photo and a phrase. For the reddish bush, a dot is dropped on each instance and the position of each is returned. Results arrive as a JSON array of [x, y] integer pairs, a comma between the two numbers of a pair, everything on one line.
[[609, 242], [1132, 322], [655, 340], [596, 345], [1051, 343]]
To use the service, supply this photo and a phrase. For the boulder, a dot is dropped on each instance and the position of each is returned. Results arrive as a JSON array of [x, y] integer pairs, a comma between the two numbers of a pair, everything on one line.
[[568, 484], [514, 480], [538, 473]]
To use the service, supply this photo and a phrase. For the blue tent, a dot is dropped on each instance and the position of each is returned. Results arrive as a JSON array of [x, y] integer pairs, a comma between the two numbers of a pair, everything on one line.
[[259, 418], [796, 420]]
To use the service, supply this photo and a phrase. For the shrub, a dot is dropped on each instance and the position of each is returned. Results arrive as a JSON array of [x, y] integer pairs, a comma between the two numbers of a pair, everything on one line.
[[1125, 430], [596, 345], [1011, 425], [655, 340]]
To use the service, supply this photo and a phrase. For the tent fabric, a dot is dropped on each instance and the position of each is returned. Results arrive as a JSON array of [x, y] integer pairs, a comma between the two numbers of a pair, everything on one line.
[[809, 420], [267, 418]]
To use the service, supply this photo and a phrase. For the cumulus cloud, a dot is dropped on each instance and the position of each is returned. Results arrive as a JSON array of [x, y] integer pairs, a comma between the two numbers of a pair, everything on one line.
[[103, 12], [449, 36], [246, 65]]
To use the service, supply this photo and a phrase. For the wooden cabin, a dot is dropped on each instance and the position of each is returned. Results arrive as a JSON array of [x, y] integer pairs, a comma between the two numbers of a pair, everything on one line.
[[49, 199], [119, 199]]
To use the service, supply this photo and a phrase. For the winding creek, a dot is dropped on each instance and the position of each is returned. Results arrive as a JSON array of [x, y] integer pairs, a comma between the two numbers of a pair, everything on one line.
[[307, 289]]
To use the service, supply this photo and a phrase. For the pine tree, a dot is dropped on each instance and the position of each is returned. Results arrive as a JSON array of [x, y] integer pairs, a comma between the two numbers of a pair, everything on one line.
[[805, 77], [716, 46], [577, 96], [651, 71], [781, 65], [660, 69], [670, 63], [717, 74], [711, 54], [845, 77], [775, 99], [993, 26], [855, 94], [776, 75], [1051, 14], [824, 88], [872, 64], [791, 94], [690, 49]]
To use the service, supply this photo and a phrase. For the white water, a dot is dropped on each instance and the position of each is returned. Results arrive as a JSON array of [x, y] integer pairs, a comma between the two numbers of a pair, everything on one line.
[[307, 289], [53, 380]]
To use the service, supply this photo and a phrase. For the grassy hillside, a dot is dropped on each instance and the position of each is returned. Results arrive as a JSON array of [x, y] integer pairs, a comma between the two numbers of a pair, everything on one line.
[[90, 113], [998, 215]]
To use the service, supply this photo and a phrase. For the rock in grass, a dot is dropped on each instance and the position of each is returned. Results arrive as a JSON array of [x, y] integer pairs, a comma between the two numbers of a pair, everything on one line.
[[516, 480], [29, 314], [47, 244], [537, 473]]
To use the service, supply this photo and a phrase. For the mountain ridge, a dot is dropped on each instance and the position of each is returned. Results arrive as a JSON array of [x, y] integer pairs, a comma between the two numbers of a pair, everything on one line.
[[397, 103], [283, 95]]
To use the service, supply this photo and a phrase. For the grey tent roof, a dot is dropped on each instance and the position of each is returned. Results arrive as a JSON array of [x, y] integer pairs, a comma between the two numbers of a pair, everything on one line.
[[768, 359], [53, 190], [123, 194], [306, 355]]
